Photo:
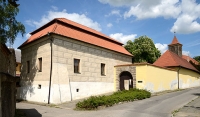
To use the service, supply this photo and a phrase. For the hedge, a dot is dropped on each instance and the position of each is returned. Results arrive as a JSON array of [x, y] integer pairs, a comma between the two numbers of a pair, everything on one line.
[[94, 102]]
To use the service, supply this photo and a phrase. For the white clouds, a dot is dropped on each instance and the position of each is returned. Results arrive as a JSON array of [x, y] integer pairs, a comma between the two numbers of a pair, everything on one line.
[[185, 12], [109, 25], [166, 9], [164, 47], [54, 8], [123, 38], [187, 23], [117, 2], [186, 53], [27, 35], [129, 2], [115, 12], [29, 22], [193, 43], [79, 18], [161, 47]]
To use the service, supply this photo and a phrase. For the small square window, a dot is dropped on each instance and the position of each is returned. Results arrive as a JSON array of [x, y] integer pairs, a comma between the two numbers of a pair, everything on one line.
[[103, 69], [76, 65], [28, 66], [40, 64]]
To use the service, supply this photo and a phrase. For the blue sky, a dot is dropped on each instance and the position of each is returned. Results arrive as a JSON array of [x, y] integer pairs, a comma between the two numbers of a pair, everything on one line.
[[121, 19]]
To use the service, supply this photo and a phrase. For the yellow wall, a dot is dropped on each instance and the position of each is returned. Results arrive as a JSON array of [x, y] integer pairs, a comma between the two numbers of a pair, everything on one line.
[[18, 69], [141, 72], [188, 78], [157, 79]]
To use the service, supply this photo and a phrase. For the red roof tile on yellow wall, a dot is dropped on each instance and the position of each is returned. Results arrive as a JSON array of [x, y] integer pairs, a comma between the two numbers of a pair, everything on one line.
[[170, 59], [67, 28], [188, 58]]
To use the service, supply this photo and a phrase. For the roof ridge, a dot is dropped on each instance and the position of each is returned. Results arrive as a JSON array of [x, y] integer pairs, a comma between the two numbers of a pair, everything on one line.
[[62, 27], [55, 27], [88, 29]]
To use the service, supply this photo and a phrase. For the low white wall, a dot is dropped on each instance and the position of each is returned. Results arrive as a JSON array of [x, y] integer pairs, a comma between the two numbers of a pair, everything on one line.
[[87, 89], [190, 83], [31, 92]]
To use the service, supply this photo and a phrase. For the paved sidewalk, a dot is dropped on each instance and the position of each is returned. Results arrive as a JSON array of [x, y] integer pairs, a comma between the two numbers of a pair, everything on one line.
[[191, 109]]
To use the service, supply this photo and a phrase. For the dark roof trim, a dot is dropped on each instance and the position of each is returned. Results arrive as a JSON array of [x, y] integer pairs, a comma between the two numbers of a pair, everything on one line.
[[185, 68], [138, 64]]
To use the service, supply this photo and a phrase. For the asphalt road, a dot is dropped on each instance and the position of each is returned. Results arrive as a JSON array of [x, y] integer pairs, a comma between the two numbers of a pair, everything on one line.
[[156, 106]]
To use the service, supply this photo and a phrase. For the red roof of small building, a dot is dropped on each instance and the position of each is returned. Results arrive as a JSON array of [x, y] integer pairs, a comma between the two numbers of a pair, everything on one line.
[[73, 30], [170, 59], [188, 58], [175, 41]]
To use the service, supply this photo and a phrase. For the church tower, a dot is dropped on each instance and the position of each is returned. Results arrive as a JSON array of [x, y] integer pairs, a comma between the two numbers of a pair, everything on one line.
[[175, 47]]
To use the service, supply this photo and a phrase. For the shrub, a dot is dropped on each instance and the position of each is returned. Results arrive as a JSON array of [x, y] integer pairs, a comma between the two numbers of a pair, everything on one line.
[[94, 102]]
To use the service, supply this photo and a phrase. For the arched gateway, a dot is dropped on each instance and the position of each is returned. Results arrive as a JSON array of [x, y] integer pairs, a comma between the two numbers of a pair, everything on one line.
[[126, 77], [126, 81]]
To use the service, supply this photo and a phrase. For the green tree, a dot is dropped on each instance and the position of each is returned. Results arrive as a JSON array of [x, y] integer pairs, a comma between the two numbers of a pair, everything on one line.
[[143, 50], [196, 66], [9, 26], [197, 58]]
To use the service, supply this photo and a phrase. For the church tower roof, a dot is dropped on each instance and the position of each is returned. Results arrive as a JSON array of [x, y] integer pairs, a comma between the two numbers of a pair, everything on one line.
[[175, 41], [175, 47]]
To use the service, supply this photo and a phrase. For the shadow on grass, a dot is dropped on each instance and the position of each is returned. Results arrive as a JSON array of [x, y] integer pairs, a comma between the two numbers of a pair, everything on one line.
[[27, 113]]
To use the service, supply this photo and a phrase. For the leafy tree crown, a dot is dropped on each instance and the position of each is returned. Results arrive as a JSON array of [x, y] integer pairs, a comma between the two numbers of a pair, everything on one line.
[[9, 26], [143, 50]]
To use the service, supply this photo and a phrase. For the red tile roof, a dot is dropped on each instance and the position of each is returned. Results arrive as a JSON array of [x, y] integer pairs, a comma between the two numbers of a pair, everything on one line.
[[170, 59], [175, 41], [73, 30], [188, 58]]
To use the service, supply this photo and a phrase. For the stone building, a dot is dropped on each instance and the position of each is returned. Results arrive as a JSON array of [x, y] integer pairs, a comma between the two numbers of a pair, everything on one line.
[[7, 82], [64, 61]]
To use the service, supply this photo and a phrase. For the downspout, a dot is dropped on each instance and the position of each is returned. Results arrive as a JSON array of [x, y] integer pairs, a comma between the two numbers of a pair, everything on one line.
[[178, 76], [51, 40], [70, 88]]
